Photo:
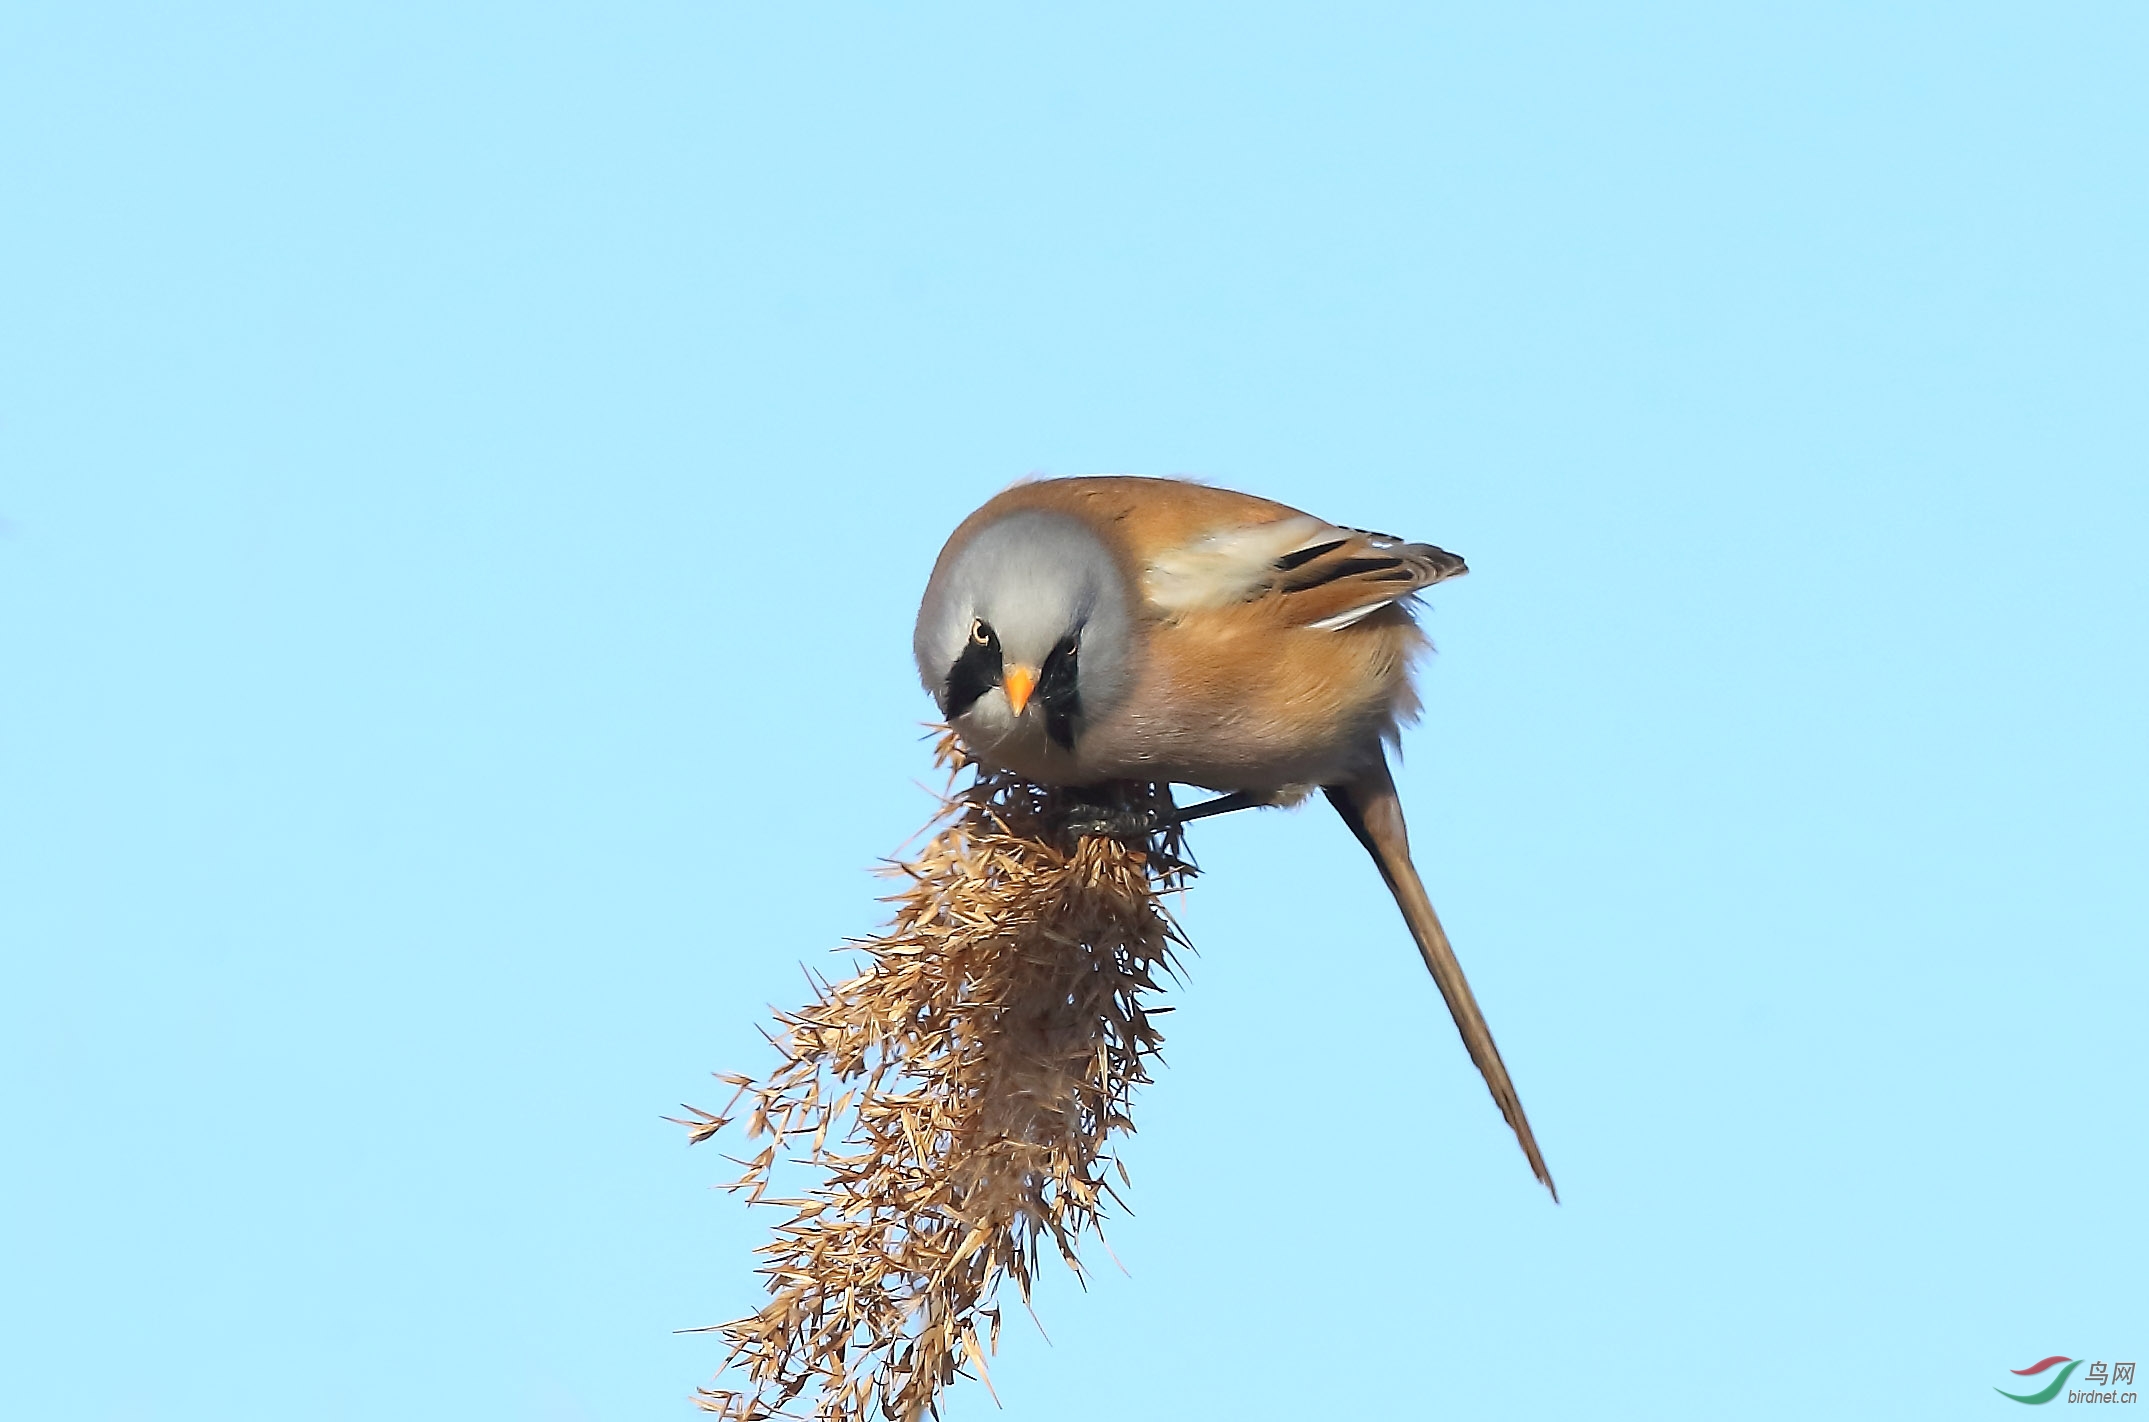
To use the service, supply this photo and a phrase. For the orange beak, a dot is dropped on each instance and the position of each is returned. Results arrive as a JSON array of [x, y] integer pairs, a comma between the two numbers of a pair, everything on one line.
[[1020, 682]]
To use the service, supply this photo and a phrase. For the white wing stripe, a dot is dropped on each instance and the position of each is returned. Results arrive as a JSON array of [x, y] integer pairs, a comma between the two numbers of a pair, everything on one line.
[[1357, 614], [1226, 567]]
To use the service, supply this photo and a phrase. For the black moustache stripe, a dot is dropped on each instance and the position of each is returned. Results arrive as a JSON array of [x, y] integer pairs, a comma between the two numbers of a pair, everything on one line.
[[975, 672], [1058, 692]]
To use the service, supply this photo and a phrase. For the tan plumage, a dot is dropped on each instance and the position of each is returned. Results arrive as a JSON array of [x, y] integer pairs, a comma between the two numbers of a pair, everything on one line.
[[1177, 632]]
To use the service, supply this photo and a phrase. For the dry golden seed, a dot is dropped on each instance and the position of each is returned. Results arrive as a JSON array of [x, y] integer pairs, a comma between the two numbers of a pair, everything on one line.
[[988, 1044]]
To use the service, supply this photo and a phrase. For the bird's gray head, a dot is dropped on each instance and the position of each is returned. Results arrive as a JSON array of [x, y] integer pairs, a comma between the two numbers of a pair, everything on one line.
[[1026, 625]]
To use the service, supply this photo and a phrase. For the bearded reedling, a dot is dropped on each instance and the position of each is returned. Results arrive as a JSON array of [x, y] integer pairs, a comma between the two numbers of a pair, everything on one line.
[[1088, 630]]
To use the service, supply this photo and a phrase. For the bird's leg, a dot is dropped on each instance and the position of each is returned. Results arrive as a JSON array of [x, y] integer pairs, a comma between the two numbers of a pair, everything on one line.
[[1120, 821], [1226, 804]]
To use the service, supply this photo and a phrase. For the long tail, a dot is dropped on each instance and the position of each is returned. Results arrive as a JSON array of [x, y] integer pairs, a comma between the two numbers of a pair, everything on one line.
[[1370, 806]]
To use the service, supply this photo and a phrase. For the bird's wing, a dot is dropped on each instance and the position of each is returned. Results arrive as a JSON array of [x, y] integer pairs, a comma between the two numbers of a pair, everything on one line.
[[1324, 576], [1196, 548]]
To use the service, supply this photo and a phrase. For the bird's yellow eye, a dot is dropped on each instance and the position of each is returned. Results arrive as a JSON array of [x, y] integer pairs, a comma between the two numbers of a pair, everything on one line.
[[980, 633]]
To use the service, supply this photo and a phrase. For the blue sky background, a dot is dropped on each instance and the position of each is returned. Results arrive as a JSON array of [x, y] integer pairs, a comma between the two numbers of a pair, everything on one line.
[[467, 474]]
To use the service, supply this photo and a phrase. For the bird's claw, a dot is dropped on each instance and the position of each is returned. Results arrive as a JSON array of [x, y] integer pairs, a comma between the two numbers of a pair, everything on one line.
[[1111, 822]]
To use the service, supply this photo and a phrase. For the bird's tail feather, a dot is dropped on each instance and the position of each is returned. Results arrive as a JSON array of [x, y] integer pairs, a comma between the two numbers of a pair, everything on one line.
[[1370, 806]]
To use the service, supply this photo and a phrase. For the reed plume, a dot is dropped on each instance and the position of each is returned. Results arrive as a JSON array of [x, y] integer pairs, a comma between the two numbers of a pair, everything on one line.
[[959, 1101]]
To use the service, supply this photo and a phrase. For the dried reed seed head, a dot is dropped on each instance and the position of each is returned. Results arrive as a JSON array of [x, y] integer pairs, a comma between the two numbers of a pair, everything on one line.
[[957, 1097]]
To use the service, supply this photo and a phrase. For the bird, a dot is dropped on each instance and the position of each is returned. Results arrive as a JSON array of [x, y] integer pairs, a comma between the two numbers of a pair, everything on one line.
[[1079, 631]]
